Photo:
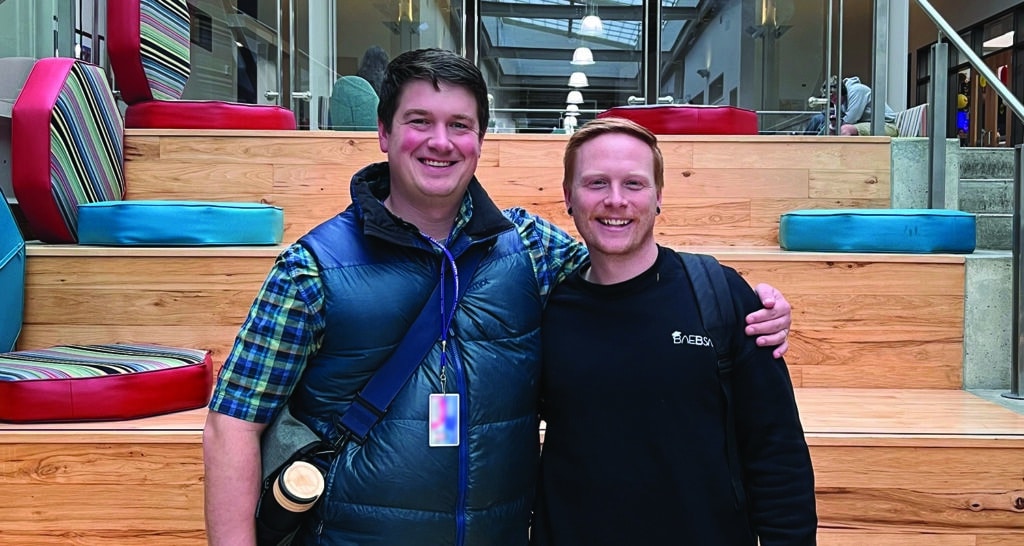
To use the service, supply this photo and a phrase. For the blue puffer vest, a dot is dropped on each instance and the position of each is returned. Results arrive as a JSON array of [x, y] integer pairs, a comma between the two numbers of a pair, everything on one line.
[[395, 489]]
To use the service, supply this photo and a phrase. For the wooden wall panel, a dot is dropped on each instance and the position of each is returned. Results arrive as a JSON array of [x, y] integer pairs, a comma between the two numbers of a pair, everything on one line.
[[307, 173], [196, 298], [132, 494], [893, 321]]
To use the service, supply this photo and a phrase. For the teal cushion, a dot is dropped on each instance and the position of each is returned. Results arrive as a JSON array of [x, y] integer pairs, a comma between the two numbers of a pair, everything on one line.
[[878, 230], [179, 223], [12, 277], [353, 105]]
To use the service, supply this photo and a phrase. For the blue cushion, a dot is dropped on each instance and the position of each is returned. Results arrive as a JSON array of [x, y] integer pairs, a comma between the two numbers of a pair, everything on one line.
[[878, 230], [179, 223], [12, 278]]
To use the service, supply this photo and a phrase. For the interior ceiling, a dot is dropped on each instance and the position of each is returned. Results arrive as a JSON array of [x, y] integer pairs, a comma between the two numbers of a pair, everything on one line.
[[527, 44]]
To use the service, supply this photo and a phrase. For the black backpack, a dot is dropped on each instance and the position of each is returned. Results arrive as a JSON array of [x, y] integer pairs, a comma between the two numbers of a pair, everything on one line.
[[714, 302]]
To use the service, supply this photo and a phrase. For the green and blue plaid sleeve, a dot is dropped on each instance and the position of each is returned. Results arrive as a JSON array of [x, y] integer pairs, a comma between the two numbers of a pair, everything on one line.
[[284, 327], [555, 253]]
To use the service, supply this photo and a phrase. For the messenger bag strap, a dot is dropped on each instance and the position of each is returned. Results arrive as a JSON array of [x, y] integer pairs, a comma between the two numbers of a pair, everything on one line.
[[370, 405]]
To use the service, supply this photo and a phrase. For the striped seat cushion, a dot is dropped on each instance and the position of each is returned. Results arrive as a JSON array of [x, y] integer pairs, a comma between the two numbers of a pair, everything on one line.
[[66, 146], [149, 48], [102, 382], [149, 54]]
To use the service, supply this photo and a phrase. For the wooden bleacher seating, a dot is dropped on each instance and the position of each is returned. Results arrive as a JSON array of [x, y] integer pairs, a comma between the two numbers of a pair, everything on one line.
[[902, 455]]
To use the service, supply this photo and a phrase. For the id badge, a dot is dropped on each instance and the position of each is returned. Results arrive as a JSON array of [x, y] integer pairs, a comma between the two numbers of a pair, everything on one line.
[[444, 420]]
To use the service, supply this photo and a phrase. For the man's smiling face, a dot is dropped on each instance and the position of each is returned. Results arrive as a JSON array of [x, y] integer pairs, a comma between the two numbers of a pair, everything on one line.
[[434, 144]]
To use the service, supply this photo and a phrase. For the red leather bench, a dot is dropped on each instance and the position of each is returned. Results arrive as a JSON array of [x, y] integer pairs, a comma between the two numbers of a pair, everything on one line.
[[688, 119]]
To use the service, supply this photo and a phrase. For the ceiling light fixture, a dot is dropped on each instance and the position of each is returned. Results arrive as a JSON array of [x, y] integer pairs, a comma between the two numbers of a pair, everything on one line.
[[591, 24], [578, 79], [582, 56], [574, 97]]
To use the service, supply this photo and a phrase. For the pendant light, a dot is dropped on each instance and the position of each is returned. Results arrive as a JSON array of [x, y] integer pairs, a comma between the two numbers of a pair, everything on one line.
[[578, 79], [582, 56]]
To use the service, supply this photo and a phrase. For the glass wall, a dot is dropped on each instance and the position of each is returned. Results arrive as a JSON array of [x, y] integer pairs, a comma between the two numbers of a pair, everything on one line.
[[977, 116], [765, 55], [291, 52], [534, 53], [37, 28]]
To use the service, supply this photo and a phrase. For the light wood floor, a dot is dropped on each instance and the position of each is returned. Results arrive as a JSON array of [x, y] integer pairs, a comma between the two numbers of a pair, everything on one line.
[[906, 412], [892, 467], [825, 413]]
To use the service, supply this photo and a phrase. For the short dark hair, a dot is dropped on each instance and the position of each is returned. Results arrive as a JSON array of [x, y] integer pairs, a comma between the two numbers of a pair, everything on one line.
[[605, 126], [435, 66]]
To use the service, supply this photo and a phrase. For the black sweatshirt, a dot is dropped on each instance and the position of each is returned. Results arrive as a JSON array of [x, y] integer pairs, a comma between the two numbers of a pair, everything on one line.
[[635, 446]]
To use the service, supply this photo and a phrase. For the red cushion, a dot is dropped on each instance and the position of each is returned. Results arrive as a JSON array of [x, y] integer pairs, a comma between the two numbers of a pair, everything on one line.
[[201, 114], [48, 385], [688, 119]]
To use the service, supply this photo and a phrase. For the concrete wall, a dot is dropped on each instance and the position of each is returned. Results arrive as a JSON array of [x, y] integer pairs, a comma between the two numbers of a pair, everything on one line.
[[987, 283]]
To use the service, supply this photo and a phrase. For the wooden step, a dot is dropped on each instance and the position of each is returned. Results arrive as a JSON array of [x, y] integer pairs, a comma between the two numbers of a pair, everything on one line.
[[136, 482], [892, 468], [719, 189], [861, 320], [917, 467]]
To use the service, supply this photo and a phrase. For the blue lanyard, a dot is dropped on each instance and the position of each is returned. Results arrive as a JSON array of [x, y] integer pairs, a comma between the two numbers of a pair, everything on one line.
[[447, 311]]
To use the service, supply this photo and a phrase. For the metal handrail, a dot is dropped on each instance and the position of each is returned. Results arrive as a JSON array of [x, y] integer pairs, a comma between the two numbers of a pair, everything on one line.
[[1004, 93], [940, 75]]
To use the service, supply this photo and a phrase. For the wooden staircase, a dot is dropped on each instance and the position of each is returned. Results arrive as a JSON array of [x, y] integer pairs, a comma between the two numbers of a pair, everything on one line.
[[902, 455]]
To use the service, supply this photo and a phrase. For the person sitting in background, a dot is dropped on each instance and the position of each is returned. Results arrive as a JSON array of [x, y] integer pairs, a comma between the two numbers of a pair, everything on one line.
[[853, 107], [857, 110]]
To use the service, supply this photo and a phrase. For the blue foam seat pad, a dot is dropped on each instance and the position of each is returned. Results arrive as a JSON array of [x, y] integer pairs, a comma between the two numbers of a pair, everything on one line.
[[179, 223], [915, 231]]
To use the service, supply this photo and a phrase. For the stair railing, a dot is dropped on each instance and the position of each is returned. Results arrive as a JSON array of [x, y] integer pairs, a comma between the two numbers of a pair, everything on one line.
[[937, 108]]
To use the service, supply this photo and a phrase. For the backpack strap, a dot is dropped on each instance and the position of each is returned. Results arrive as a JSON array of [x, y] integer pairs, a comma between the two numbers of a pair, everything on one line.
[[714, 302]]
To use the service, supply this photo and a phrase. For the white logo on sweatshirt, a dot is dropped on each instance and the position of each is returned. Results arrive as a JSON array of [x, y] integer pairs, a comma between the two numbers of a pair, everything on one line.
[[679, 338]]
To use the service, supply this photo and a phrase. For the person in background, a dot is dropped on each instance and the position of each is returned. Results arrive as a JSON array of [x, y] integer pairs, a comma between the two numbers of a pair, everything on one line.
[[372, 67], [853, 107], [856, 110], [354, 99], [635, 450], [337, 302]]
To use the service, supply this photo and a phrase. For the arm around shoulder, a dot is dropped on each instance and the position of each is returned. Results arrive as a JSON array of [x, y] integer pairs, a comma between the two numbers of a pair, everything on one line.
[[231, 458]]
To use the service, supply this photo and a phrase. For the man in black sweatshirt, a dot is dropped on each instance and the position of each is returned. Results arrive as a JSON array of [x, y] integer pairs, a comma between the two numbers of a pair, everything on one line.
[[636, 445]]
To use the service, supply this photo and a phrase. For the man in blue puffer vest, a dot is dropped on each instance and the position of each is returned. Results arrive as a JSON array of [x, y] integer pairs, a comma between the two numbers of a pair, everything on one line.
[[337, 301]]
